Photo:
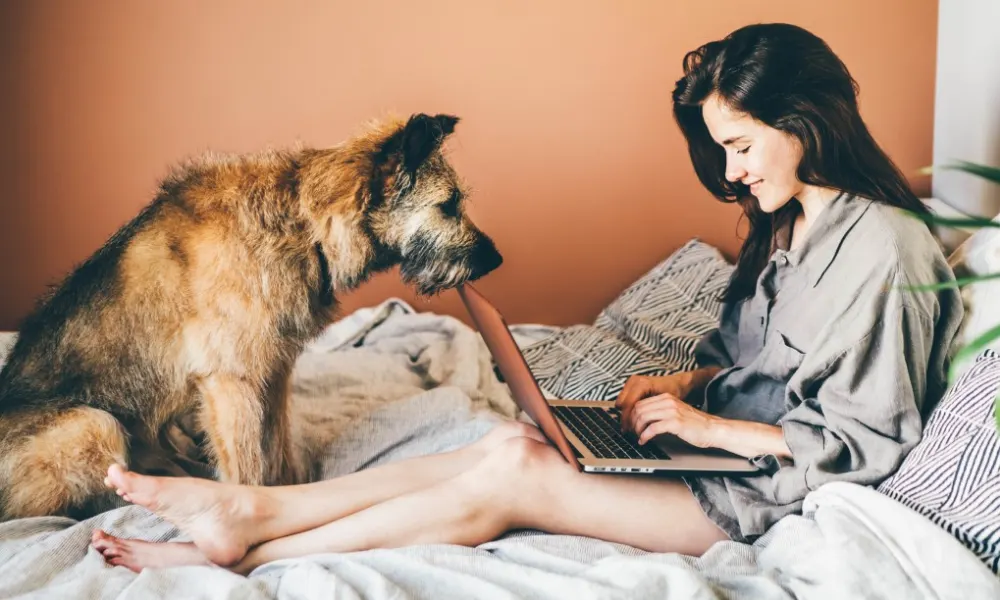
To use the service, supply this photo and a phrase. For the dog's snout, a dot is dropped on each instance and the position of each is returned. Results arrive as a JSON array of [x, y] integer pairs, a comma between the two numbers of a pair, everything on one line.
[[485, 257]]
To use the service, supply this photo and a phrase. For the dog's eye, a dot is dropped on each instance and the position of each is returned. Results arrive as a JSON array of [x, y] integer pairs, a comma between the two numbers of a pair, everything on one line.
[[450, 208]]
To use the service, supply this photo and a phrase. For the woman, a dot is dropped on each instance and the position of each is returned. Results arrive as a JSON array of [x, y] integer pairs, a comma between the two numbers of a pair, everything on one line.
[[821, 369]]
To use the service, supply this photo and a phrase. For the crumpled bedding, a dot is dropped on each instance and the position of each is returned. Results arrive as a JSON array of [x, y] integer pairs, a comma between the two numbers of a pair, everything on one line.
[[386, 383]]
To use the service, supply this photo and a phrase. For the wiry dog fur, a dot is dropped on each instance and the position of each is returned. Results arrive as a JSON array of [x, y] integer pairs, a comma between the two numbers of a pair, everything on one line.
[[204, 301]]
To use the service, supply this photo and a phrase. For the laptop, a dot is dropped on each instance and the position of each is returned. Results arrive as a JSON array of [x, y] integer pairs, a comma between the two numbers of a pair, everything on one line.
[[586, 432]]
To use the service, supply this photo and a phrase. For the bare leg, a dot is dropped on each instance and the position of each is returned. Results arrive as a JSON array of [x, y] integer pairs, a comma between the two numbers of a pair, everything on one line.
[[224, 520], [522, 484]]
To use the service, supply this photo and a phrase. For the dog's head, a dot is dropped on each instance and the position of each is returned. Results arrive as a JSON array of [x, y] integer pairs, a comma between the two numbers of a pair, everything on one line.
[[390, 197], [416, 209]]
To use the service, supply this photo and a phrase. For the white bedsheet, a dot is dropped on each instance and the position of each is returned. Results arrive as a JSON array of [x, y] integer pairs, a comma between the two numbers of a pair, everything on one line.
[[386, 384]]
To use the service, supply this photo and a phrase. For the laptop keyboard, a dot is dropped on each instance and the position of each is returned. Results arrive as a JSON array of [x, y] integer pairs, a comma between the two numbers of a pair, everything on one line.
[[600, 431]]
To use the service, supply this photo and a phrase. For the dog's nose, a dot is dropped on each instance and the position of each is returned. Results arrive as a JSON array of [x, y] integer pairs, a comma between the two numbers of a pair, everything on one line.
[[485, 257]]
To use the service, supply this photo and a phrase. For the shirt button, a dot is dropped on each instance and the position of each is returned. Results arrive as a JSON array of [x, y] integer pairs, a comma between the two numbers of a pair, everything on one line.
[[784, 259]]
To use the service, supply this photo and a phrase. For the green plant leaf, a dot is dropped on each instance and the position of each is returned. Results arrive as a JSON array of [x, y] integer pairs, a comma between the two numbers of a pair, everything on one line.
[[972, 349], [996, 411], [988, 173], [960, 282], [969, 222]]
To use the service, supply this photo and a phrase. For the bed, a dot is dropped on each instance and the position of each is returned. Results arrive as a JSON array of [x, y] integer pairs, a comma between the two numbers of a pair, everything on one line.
[[386, 383]]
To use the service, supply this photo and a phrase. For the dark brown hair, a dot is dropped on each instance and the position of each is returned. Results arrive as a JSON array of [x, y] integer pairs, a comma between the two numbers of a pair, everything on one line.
[[789, 79]]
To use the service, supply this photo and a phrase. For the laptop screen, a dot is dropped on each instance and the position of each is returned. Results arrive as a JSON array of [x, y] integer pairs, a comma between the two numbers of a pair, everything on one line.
[[514, 368]]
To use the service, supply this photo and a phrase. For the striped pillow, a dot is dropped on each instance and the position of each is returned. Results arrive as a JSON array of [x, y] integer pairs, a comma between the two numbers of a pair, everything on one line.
[[953, 475], [650, 329]]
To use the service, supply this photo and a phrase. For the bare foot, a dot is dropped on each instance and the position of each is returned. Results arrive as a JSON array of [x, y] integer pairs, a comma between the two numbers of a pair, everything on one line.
[[137, 555], [219, 518]]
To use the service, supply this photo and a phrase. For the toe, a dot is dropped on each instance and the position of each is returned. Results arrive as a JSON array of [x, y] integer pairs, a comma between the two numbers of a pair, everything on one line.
[[99, 535], [117, 476], [105, 543], [134, 487]]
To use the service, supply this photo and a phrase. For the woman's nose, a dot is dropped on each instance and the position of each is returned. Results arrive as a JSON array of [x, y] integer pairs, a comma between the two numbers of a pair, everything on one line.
[[734, 172]]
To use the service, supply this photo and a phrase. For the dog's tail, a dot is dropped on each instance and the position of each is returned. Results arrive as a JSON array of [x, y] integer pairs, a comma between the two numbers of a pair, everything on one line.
[[54, 462]]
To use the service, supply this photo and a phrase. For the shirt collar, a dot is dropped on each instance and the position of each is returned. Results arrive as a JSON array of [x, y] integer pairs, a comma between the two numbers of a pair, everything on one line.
[[825, 238]]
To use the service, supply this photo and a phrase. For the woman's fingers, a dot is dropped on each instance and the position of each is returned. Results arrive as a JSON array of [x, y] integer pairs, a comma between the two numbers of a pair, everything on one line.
[[646, 410], [636, 388], [667, 425]]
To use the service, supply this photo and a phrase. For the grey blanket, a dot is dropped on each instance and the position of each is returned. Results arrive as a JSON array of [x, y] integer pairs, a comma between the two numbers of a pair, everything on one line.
[[386, 384]]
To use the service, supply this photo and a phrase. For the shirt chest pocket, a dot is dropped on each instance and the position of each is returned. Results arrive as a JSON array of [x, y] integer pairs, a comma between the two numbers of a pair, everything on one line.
[[778, 360]]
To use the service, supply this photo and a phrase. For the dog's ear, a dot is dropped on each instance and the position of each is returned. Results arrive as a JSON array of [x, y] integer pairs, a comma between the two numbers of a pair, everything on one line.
[[422, 135], [407, 148]]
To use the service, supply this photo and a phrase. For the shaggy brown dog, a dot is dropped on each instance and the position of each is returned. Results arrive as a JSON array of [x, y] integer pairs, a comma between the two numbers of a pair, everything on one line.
[[205, 300]]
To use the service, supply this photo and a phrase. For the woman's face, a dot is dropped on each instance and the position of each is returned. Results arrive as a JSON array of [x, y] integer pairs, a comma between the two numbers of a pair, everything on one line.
[[759, 156]]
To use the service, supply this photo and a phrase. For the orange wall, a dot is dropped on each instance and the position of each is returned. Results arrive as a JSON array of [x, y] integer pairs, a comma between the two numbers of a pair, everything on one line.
[[579, 172]]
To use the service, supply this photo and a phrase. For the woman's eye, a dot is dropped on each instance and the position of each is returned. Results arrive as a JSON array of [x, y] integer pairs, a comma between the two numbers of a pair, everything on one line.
[[743, 151]]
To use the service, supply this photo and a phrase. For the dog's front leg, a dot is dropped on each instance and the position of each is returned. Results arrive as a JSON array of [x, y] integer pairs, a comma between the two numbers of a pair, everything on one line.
[[232, 415], [283, 466]]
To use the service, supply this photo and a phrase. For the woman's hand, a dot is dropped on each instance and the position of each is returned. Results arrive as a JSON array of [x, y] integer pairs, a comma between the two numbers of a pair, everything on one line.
[[652, 406], [679, 385], [666, 413]]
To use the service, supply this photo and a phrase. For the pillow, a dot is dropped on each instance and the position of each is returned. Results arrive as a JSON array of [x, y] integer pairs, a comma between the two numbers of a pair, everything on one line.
[[979, 255], [650, 329], [952, 476]]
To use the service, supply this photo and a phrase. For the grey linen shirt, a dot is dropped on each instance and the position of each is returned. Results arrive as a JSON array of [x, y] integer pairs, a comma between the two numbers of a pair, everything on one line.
[[834, 352]]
